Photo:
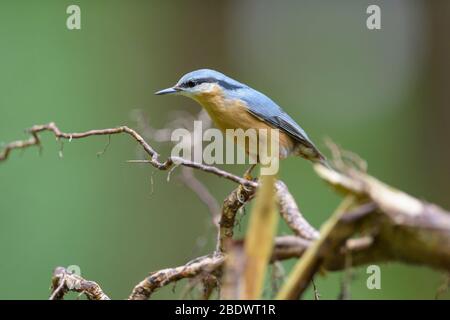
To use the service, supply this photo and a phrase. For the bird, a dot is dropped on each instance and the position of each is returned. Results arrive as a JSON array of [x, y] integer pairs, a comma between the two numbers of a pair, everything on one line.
[[234, 105]]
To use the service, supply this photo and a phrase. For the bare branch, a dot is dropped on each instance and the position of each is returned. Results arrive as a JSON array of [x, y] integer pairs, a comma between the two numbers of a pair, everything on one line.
[[408, 229], [292, 215], [333, 234], [392, 224], [154, 156], [231, 205], [285, 247], [210, 282], [204, 265]]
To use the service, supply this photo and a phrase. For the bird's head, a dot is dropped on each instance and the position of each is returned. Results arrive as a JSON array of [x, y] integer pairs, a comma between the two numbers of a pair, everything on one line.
[[202, 82]]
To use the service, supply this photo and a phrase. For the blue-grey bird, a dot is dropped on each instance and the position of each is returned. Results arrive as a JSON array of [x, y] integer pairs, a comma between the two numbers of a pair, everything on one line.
[[234, 105]]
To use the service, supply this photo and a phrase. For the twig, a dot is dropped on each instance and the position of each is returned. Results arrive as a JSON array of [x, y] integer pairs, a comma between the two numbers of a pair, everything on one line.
[[443, 288], [291, 214], [403, 228], [102, 152], [210, 282], [330, 239], [408, 229], [285, 247], [277, 277], [316, 292], [34, 140], [189, 179], [189, 287], [231, 205], [347, 276]]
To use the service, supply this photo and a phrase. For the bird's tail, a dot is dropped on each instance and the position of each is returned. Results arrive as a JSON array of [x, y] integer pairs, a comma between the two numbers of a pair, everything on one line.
[[321, 159]]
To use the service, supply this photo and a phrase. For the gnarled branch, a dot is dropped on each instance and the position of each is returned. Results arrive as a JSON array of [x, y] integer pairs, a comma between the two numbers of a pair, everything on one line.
[[34, 140], [397, 226]]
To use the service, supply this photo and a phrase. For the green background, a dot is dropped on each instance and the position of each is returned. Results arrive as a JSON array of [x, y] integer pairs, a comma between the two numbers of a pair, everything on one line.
[[382, 94]]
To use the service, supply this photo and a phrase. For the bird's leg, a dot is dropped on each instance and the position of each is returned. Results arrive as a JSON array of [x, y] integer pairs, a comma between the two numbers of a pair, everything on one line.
[[243, 189], [248, 172]]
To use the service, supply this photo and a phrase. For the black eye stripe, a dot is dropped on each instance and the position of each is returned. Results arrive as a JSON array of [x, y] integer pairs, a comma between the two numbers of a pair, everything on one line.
[[193, 83]]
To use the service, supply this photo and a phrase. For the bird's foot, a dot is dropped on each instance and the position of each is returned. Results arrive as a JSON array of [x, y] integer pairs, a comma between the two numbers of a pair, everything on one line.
[[248, 173]]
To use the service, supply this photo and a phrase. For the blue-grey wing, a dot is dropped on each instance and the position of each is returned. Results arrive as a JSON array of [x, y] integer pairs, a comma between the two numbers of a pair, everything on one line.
[[268, 111]]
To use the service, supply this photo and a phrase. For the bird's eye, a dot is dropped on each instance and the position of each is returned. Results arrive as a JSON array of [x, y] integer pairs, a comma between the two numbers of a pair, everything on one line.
[[190, 84]]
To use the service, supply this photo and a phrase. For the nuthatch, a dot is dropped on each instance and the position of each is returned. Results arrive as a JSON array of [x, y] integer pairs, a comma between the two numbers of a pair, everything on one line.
[[234, 105]]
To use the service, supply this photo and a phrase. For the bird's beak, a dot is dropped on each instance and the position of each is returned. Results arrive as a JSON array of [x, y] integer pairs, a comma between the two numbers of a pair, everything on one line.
[[167, 91]]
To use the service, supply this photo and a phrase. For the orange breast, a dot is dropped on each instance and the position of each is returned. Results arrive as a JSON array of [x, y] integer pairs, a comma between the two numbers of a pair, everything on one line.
[[233, 114]]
